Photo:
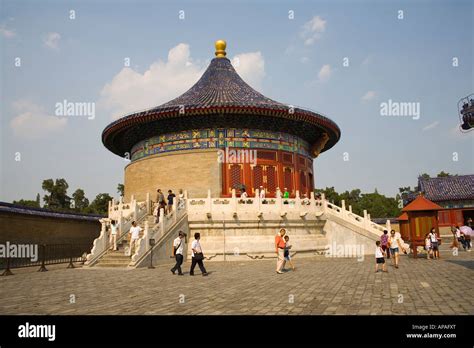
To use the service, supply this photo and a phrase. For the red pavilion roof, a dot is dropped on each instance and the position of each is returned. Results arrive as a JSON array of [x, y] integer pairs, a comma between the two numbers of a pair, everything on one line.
[[421, 204]]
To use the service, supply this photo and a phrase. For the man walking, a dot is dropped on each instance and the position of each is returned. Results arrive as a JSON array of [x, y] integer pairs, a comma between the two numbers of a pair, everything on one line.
[[134, 236], [280, 250], [178, 247]]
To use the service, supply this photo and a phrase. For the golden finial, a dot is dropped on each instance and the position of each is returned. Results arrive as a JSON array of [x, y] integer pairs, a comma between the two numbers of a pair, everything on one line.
[[220, 48]]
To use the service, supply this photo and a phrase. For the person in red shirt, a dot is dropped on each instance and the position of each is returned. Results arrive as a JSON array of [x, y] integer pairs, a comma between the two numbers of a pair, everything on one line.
[[280, 250]]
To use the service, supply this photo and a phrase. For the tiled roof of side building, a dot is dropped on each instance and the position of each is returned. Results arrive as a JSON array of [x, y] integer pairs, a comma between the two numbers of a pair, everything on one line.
[[460, 187], [41, 212]]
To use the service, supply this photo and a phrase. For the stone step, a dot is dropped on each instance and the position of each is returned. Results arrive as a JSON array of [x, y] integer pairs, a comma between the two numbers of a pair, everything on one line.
[[112, 265], [124, 262]]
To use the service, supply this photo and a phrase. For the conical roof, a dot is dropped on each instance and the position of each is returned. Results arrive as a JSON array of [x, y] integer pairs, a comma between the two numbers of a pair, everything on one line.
[[221, 98], [421, 204]]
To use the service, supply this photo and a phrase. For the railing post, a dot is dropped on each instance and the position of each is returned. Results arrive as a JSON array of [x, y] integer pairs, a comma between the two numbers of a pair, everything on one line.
[[298, 200], [350, 208], [388, 225], [175, 209], [146, 236], [343, 208], [148, 205], [7, 271], [366, 224], [162, 222], [234, 201], [71, 265], [209, 201], [323, 202], [311, 199], [43, 259]]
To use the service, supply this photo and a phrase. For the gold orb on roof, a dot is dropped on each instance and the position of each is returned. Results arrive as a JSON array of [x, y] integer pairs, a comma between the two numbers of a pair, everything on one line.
[[220, 48]]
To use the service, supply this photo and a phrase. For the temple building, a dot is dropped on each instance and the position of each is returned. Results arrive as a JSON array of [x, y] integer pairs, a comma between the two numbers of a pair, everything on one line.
[[176, 145], [455, 194]]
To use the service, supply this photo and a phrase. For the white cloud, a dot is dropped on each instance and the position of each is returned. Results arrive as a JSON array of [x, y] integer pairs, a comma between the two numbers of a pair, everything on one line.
[[51, 40], [251, 68], [130, 91], [430, 126], [325, 73], [6, 33], [311, 31], [32, 122], [304, 60], [368, 96]]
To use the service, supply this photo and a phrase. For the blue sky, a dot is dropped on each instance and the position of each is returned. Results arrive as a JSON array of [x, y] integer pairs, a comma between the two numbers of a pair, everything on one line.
[[297, 61]]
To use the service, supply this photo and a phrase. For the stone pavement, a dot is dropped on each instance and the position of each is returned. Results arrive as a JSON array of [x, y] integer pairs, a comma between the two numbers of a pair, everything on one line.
[[320, 285]]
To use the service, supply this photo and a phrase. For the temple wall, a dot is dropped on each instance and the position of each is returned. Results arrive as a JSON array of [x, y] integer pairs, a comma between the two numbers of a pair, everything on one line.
[[26, 229], [195, 171]]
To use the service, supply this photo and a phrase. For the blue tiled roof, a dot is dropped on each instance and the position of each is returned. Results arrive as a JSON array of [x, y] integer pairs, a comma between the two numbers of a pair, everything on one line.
[[220, 98], [19, 209], [450, 188]]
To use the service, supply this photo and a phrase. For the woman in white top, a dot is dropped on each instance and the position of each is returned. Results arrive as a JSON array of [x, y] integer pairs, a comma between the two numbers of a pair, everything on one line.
[[197, 255], [113, 235], [395, 246]]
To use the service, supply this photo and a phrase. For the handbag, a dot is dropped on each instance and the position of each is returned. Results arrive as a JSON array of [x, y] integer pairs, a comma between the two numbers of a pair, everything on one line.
[[198, 256]]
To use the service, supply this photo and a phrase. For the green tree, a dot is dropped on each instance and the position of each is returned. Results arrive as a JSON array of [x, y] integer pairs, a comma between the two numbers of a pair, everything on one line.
[[100, 204], [120, 189], [80, 200], [442, 174], [27, 203], [57, 198]]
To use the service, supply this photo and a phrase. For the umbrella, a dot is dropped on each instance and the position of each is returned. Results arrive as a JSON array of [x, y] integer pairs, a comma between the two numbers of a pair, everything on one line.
[[466, 230]]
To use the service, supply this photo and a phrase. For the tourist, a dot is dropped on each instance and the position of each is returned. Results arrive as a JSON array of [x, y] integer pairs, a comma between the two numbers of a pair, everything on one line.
[[181, 199], [395, 246], [434, 243], [460, 237], [160, 200], [428, 246], [197, 256], [280, 250], [454, 244], [243, 195], [305, 200], [171, 197], [134, 236], [469, 223], [286, 253], [113, 235], [384, 243], [262, 195], [286, 195], [178, 247], [379, 257]]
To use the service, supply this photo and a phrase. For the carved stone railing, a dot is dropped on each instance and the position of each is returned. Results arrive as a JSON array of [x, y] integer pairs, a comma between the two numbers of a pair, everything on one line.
[[158, 231], [253, 206], [124, 214], [347, 215]]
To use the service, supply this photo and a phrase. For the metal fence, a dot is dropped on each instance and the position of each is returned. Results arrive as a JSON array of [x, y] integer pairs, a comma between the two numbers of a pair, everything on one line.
[[48, 254]]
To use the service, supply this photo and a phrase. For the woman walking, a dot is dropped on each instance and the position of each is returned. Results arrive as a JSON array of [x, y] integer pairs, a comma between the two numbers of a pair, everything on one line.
[[197, 255]]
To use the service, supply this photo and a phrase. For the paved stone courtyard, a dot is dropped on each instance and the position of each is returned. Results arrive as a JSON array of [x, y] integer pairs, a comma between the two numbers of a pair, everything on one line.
[[319, 286]]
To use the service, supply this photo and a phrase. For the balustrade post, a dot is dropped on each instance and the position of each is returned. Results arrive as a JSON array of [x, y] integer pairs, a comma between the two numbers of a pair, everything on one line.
[[209, 201], [323, 202], [148, 205], [350, 208], [388, 226], [311, 199], [343, 208], [146, 236], [175, 209], [366, 225], [162, 223], [234, 201]]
